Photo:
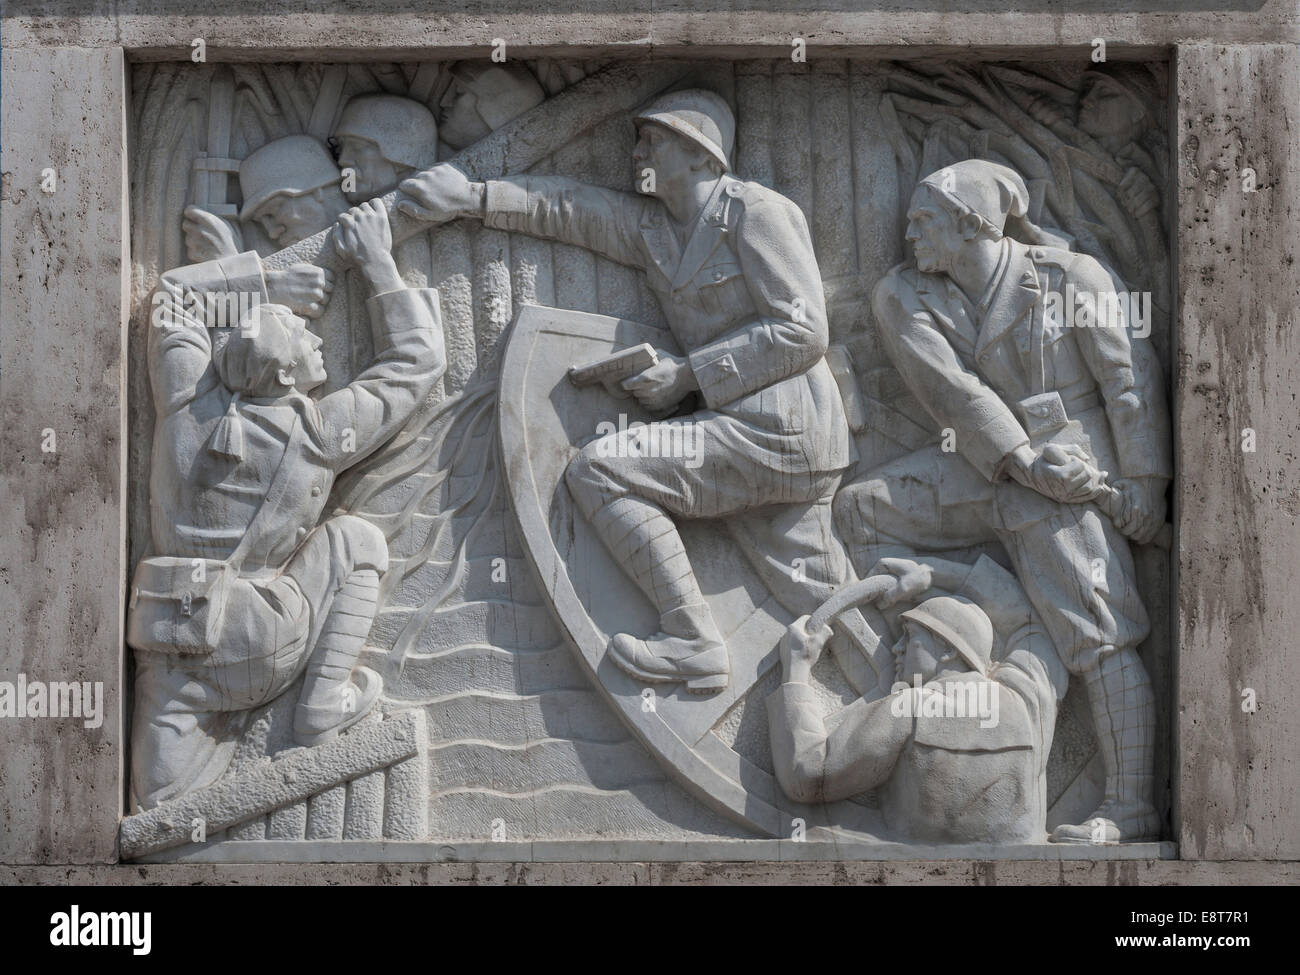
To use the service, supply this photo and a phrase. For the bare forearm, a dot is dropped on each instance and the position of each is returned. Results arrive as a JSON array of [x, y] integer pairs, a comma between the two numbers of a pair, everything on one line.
[[381, 275]]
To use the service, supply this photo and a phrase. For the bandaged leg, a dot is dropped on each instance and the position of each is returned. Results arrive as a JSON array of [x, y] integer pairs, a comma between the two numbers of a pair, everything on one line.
[[336, 693], [644, 540], [1123, 715], [688, 646]]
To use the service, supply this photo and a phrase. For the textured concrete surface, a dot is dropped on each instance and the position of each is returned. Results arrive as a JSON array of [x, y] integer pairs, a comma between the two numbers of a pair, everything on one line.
[[660, 851], [62, 369], [1238, 366], [299, 775], [742, 28], [957, 873]]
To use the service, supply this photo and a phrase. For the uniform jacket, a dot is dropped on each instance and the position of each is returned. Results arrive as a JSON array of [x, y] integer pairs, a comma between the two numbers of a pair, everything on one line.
[[202, 502], [968, 365], [940, 778], [743, 296]]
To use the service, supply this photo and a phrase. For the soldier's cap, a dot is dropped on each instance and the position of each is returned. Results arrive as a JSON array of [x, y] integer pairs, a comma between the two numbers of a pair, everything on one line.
[[502, 92], [292, 166], [248, 358], [1134, 80], [702, 116], [989, 189], [404, 130], [961, 624]]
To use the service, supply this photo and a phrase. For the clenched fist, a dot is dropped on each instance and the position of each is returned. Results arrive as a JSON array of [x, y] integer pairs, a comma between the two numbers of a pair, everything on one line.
[[800, 650], [303, 288], [362, 235], [208, 237], [364, 238], [441, 194]]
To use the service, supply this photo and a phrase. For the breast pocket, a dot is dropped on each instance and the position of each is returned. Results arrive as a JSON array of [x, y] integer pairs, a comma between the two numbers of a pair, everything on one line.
[[722, 289]]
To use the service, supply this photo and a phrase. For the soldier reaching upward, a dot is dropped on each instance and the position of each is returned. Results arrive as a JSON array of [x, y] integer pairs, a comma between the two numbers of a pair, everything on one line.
[[733, 267], [247, 590]]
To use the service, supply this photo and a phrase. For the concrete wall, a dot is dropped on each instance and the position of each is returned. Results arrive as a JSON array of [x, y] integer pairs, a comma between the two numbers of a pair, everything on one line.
[[62, 385], [1238, 369]]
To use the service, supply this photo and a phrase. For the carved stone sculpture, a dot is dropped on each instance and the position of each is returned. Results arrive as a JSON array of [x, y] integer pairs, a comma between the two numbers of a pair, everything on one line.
[[732, 265], [249, 589], [959, 747], [383, 139], [593, 570], [1039, 411]]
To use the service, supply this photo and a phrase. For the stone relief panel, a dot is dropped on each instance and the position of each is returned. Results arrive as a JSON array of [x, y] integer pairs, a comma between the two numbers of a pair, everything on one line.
[[649, 451]]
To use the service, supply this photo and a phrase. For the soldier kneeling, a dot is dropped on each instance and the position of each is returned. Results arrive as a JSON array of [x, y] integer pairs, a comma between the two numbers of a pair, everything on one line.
[[254, 592]]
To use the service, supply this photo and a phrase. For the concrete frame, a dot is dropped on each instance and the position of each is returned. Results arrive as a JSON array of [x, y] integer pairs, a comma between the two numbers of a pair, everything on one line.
[[65, 264]]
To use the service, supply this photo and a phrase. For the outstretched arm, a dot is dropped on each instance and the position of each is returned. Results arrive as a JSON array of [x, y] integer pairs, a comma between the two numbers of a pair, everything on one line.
[[600, 220], [409, 358]]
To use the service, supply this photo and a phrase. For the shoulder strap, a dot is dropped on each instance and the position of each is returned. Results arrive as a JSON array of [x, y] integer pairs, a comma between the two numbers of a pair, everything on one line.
[[279, 484]]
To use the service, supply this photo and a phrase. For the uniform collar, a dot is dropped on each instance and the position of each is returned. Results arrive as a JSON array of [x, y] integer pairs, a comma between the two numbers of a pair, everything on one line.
[[1011, 295], [705, 234]]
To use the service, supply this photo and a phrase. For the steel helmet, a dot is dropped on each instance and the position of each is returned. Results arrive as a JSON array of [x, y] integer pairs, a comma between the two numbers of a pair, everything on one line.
[[702, 116], [961, 624], [294, 165], [502, 92], [404, 129]]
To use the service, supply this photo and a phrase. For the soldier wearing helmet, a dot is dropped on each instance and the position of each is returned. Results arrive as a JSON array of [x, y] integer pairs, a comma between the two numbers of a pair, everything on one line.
[[291, 189], [958, 749], [732, 265], [383, 139], [971, 327], [484, 96]]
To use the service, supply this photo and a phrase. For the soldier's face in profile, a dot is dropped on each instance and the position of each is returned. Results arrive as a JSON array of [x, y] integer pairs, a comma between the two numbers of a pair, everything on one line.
[[375, 175], [1106, 110], [932, 232], [308, 368], [666, 154], [459, 122], [924, 654], [289, 219]]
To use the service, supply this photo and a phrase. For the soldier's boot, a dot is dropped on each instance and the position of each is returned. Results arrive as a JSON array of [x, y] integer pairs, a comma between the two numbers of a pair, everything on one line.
[[333, 696], [688, 647], [1123, 715]]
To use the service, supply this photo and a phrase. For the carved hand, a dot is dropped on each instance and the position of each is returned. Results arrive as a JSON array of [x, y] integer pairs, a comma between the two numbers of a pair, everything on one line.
[[800, 650], [1144, 504], [663, 385], [910, 579], [208, 237], [303, 288], [440, 194], [363, 237], [1065, 473], [1138, 194], [362, 234]]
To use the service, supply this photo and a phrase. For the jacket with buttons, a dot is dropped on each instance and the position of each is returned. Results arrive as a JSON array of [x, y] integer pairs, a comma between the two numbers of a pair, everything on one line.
[[742, 296], [969, 366], [203, 502]]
